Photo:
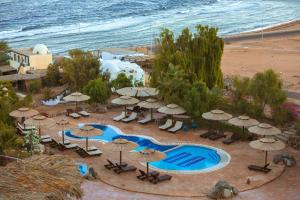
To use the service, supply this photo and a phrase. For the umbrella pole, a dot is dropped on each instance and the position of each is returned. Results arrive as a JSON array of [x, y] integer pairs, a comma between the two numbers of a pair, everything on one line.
[[147, 169], [266, 158], [151, 113], [120, 157], [87, 144], [125, 111], [63, 136]]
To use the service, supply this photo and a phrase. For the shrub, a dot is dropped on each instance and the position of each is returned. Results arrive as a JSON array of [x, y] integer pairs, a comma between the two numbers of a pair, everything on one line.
[[53, 75], [297, 126], [98, 90], [280, 115], [47, 93], [35, 86], [121, 81]]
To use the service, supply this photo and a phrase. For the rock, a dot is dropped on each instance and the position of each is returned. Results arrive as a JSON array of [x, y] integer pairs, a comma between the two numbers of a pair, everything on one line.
[[286, 159], [227, 193], [222, 189]]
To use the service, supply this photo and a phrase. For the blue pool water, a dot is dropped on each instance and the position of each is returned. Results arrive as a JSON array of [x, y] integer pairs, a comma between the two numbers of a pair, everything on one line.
[[179, 158]]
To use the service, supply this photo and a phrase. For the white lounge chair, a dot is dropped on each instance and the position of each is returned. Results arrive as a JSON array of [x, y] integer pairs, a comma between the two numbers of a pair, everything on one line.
[[119, 117], [146, 119], [132, 117], [167, 125], [74, 115], [94, 153], [84, 113], [178, 125], [67, 146]]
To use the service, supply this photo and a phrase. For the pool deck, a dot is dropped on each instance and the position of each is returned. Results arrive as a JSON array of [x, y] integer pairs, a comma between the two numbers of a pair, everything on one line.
[[182, 186]]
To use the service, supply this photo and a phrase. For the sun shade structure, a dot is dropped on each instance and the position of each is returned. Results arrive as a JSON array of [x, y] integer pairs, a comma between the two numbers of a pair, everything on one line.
[[23, 112], [150, 104], [264, 129], [39, 121], [41, 177], [87, 131], [63, 123], [172, 109], [243, 121], [217, 115], [267, 144], [148, 155], [123, 145], [125, 101], [76, 97], [138, 91]]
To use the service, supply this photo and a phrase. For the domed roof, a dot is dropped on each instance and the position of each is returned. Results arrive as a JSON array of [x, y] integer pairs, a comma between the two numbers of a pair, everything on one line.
[[40, 49]]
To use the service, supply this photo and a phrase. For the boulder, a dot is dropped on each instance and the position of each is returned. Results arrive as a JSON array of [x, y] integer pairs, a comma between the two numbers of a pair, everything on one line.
[[222, 190], [285, 158]]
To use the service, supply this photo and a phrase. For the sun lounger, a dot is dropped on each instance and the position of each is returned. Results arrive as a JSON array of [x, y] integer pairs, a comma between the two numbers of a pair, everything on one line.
[[208, 134], [161, 178], [45, 139], [83, 153], [120, 169], [74, 115], [264, 169], [132, 117], [143, 175], [65, 146], [234, 138], [146, 119], [167, 125], [178, 125], [217, 136], [119, 117], [84, 113], [111, 165]]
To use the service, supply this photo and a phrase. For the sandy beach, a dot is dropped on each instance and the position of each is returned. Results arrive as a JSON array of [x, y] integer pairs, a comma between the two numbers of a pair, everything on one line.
[[281, 53]]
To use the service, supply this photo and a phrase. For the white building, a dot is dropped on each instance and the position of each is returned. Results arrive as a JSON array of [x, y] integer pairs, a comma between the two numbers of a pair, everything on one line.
[[37, 58]]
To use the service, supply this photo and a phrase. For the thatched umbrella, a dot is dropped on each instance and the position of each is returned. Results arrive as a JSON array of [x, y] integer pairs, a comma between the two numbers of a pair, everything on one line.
[[171, 109], [122, 144], [39, 121], [76, 97], [138, 91], [41, 177], [243, 121], [217, 115], [264, 129], [149, 155], [267, 144], [87, 131], [150, 104], [23, 113], [63, 122], [125, 101]]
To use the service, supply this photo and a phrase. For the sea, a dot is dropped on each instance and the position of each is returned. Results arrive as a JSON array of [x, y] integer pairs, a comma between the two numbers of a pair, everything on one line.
[[95, 24]]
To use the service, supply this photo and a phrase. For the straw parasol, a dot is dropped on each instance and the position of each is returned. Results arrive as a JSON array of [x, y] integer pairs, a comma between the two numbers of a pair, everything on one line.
[[41, 177], [125, 101], [122, 144], [267, 144], [171, 109], [38, 121], [150, 104], [87, 131], [63, 122], [217, 115], [243, 121], [138, 91], [23, 113], [76, 97], [264, 129], [149, 155]]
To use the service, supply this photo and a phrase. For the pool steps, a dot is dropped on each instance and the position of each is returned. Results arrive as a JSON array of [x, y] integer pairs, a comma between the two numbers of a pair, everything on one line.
[[177, 157]]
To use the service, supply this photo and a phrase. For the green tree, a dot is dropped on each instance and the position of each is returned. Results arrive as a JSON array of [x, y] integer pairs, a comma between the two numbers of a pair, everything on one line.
[[98, 90], [4, 48], [121, 81], [79, 69], [266, 88], [35, 86], [53, 76], [241, 93]]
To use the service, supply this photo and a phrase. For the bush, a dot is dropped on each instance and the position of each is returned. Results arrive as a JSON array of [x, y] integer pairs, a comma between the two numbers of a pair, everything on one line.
[[121, 81], [98, 90], [280, 115], [297, 126], [53, 75], [35, 86], [47, 93]]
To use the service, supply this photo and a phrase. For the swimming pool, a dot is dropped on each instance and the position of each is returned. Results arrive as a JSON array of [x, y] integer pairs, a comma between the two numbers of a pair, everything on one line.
[[180, 158]]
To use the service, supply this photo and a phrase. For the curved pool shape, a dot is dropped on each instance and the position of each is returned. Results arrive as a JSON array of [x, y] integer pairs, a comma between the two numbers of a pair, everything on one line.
[[180, 158]]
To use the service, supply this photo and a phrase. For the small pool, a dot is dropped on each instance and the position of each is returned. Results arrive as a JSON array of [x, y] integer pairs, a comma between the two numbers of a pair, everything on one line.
[[180, 158]]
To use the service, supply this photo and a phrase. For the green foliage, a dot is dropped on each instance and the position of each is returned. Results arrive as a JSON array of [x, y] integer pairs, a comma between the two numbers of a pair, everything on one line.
[[47, 93], [53, 76], [198, 55], [121, 81], [8, 138], [266, 88], [280, 115], [98, 90], [35, 86], [79, 69], [297, 126], [31, 141], [4, 48]]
